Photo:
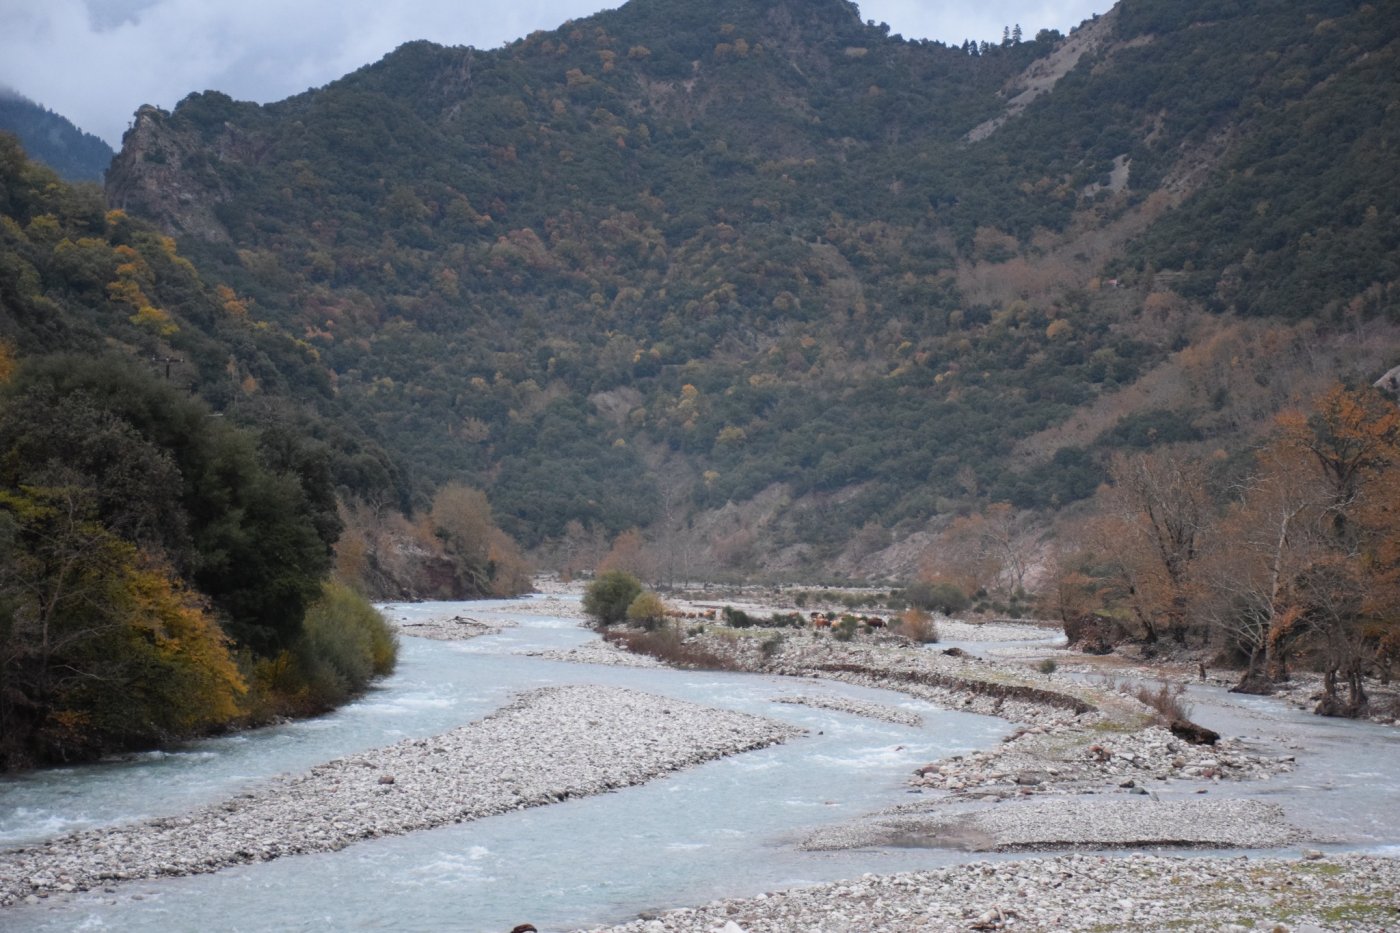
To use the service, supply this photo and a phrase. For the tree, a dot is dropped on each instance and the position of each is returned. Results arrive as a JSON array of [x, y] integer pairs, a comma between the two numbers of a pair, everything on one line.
[[101, 648], [1163, 516], [461, 519], [991, 549], [1268, 539], [1308, 555], [606, 599], [629, 554], [1352, 590], [172, 478]]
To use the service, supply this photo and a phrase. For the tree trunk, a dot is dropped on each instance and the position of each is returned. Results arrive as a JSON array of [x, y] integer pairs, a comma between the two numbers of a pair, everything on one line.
[[1254, 681], [1275, 663], [1356, 694]]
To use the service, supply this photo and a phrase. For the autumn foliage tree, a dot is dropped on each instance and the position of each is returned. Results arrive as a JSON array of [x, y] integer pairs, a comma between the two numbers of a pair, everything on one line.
[[487, 560], [1348, 592], [1158, 518], [100, 646], [1299, 560], [144, 546]]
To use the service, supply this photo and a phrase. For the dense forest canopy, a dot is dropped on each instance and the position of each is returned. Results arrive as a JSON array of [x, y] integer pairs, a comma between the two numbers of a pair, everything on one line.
[[672, 256], [183, 542]]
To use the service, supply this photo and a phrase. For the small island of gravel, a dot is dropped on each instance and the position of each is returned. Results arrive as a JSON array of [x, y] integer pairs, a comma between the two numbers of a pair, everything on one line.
[[548, 745]]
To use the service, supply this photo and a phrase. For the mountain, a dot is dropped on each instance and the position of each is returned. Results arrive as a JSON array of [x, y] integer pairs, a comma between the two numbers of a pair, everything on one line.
[[789, 292], [53, 139]]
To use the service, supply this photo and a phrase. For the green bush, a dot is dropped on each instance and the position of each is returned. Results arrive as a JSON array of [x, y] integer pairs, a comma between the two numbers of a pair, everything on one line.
[[737, 618], [606, 599], [947, 598], [344, 644], [647, 610]]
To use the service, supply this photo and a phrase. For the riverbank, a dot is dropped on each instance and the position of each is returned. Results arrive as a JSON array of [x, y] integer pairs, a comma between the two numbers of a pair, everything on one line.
[[1076, 742], [1084, 771], [1072, 893], [548, 745]]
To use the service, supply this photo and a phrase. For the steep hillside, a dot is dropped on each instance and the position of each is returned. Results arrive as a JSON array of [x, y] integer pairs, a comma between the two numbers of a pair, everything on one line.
[[758, 274]]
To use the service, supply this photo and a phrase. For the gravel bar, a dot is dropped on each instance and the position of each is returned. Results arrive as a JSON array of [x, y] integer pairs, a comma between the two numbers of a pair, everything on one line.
[[448, 628], [893, 714], [597, 652], [547, 745], [1074, 893], [1076, 823]]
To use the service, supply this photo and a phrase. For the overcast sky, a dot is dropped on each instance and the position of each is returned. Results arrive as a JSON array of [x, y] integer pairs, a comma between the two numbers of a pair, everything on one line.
[[96, 61]]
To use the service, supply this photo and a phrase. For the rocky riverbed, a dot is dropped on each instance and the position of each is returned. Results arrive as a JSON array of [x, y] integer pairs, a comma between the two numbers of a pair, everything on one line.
[[447, 628], [1083, 770], [548, 745], [597, 652], [1136, 822], [880, 711], [1072, 893], [1042, 758]]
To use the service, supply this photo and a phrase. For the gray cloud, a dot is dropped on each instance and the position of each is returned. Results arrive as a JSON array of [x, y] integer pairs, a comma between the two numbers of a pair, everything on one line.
[[96, 61]]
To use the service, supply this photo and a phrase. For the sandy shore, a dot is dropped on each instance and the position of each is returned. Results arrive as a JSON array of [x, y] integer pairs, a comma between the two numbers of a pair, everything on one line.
[[1072, 893], [548, 745]]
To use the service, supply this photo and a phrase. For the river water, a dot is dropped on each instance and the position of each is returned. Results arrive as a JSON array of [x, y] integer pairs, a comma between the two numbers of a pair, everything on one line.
[[726, 828]]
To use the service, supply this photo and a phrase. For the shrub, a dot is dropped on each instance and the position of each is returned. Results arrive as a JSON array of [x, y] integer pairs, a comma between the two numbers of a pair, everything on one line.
[[737, 618], [846, 629], [1047, 666], [606, 599], [1166, 699], [647, 610], [770, 646], [345, 643], [917, 625], [947, 598]]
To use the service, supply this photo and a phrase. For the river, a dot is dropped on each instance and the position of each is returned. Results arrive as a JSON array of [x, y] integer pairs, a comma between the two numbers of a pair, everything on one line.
[[722, 829]]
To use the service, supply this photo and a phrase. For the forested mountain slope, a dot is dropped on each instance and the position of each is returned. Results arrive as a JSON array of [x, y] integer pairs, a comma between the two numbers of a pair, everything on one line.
[[757, 276], [53, 139]]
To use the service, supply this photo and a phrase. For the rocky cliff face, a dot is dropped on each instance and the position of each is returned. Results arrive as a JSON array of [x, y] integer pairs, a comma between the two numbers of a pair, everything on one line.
[[156, 175]]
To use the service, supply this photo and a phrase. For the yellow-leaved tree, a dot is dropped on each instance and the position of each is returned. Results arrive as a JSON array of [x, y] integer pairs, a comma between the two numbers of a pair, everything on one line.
[[100, 646]]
